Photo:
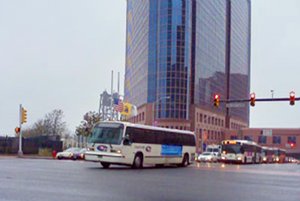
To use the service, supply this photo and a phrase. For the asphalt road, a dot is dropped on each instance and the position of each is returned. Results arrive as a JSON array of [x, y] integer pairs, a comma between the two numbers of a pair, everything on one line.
[[53, 180]]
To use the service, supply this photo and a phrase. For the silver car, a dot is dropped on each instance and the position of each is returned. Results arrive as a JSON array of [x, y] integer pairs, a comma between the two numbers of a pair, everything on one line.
[[208, 157], [70, 153]]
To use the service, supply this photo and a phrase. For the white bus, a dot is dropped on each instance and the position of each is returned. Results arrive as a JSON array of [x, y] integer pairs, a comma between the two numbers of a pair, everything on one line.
[[135, 145], [268, 154], [241, 151]]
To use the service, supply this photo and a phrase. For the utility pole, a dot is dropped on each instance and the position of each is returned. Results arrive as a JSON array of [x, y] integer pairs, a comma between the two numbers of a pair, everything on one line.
[[20, 152]]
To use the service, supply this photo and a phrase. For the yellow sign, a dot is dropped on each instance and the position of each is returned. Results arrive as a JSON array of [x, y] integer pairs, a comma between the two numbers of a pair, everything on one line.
[[127, 107], [129, 110]]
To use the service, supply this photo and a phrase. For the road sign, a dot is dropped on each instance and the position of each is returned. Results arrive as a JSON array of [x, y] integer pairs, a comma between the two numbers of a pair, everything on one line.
[[230, 105]]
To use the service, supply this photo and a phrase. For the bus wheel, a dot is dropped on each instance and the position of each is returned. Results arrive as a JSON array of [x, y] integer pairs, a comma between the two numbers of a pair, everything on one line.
[[185, 161], [105, 165], [138, 161]]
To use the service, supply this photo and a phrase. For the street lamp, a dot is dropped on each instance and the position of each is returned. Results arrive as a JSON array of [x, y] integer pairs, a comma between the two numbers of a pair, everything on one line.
[[153, 107]]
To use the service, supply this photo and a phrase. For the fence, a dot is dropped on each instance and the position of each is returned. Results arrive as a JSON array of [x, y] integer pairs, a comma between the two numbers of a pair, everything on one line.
[[10, 145]]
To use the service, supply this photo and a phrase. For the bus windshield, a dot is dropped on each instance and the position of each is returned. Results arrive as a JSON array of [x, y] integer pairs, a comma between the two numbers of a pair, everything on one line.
[[107, 134], [212, 150], [232, 148]]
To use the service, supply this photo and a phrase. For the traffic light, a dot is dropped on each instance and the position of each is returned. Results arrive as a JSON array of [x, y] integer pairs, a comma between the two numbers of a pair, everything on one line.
[[17, 130], [292, 98], [252, 99], [23, 115], [217, 100], [292, 145]]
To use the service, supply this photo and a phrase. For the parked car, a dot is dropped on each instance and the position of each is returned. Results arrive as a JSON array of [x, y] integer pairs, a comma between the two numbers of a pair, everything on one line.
[[81, 153], [208, 157], [70, 153]]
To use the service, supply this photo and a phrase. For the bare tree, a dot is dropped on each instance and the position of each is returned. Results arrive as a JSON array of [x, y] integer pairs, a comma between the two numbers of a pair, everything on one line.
[[89, 120], [52, 124]]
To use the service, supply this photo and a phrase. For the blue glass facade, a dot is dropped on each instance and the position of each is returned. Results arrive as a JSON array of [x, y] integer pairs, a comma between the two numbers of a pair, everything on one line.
[[181, 52], [239, 79], [137, 48], [210, 50], [173, 66], [158, 55]]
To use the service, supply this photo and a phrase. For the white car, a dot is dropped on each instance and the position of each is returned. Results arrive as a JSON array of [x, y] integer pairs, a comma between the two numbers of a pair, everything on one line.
[[208, 157], [71, 153]]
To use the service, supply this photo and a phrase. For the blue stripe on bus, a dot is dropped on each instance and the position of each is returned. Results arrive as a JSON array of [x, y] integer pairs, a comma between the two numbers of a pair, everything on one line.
[[171, 150]]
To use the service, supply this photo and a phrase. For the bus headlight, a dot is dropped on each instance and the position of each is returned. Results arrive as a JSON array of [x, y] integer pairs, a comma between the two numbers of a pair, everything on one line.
[[116, 151], [239, 158], [223, 157]]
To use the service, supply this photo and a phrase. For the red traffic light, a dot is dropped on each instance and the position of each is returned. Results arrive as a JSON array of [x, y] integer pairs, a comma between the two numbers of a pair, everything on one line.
[[216, 100], [292, 145], [252, 99], [17, 129], [292, 98]]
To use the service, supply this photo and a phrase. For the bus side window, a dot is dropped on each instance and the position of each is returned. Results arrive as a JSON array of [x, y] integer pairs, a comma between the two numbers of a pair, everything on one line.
[[242, 149], [127, 140]]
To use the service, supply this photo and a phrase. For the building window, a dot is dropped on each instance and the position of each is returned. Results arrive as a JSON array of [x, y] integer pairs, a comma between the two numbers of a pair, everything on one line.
[[200, 117], [292, 140], [233, 137], [262, 139], [276, 140], [249, 138]]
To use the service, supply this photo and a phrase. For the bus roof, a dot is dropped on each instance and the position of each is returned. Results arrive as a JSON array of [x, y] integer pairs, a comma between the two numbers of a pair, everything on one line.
[[149, 127], [273, 148], [240, 142]]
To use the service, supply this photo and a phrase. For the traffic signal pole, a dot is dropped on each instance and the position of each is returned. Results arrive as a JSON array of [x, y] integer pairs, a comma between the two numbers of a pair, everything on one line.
[[20, 152], [258, 100]]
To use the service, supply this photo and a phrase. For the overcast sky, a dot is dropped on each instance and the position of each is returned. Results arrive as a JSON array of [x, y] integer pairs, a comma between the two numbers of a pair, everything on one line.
[[60, 54]]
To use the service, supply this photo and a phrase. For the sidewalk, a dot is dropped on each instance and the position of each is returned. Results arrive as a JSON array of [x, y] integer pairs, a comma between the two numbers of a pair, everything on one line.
[[29, 156]]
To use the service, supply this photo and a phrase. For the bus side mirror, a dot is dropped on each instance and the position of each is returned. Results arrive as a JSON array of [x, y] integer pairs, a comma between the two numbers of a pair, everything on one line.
[[126, 140]]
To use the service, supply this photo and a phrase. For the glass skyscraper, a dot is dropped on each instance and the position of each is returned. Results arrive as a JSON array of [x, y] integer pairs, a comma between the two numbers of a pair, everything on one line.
[[179, 53]]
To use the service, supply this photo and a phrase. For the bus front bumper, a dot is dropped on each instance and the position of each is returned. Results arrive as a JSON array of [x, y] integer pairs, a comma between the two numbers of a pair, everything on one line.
[[230, 159], [105, 157]]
